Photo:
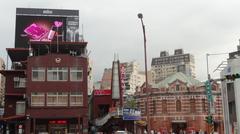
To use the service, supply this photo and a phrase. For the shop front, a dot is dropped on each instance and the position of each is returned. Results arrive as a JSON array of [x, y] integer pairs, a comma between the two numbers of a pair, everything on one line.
[[57, 126]]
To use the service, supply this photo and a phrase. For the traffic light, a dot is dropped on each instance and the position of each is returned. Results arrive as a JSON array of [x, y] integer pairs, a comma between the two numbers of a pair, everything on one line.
[[232, 76], [209, 119]]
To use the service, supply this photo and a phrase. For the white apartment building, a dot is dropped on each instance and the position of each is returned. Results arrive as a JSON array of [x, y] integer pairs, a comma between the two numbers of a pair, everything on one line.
[[90, 76], [165, 65], [2, 82], [231, 93], [133, 77]]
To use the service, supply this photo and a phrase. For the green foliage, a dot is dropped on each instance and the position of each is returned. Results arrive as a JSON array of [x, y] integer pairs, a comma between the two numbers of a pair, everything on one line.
[[130, 102]]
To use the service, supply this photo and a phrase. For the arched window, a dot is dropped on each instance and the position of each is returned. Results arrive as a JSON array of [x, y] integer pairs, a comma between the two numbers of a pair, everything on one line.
[[154, 107], [164, 106], [204, 105], [178, 106], [192, 106]]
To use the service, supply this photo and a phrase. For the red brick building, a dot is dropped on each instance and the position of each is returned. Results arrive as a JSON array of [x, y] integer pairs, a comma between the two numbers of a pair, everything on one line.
[[46, 88], [179, 102]]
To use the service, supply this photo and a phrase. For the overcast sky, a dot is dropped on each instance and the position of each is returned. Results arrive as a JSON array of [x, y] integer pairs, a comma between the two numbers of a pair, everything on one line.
[[111, 26]]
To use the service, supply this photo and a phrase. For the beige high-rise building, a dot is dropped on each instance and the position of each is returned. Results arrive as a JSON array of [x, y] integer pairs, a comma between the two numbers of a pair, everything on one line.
[[106, 78], [166, 65], [2, 82], [133, 77]]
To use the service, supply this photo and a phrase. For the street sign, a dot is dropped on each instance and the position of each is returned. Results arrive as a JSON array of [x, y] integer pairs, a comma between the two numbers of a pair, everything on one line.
[[131, 114], [208, 88]]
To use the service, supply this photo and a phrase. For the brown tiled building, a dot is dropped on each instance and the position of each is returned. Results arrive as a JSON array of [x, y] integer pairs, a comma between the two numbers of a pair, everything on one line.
[[46, 89], [179, 102]]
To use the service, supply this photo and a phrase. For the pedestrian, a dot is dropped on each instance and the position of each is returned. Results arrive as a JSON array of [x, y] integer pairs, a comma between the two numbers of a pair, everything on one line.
[[181, 131], [201, 132]]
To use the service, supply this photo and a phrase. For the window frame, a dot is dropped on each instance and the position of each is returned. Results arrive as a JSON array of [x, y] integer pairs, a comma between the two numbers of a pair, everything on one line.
[[18, 83], [164, 106], [38, 94], [39, 70], [22, 106], [56, 103], [80, 70], [75, 94], [178, 105], [192, 105], [57, 70]]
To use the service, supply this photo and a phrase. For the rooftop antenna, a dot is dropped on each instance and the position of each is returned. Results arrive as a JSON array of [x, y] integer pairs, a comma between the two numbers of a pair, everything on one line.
[[82, 36], [114, 56]]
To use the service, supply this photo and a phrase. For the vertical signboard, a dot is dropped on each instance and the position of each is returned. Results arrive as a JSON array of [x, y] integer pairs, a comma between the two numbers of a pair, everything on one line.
[[122, 77]]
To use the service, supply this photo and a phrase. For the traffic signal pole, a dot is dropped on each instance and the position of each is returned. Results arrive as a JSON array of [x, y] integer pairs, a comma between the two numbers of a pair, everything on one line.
[[211, 110]]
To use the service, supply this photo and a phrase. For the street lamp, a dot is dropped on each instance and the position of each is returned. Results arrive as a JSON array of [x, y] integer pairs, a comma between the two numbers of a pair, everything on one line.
[[140, 16]]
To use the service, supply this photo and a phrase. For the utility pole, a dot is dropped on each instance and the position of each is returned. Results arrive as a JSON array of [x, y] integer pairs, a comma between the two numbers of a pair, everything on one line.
[[208, 86], [140, 16]]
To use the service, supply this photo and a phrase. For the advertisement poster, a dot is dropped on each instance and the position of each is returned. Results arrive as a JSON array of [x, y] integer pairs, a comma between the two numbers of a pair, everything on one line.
[[45, 25]]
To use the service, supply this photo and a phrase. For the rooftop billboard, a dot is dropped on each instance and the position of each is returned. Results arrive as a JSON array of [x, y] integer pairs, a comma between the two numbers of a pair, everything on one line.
[[34, 24]]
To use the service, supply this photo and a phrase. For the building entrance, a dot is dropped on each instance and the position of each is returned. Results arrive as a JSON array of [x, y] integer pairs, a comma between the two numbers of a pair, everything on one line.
[[57, 128], [178, 126]]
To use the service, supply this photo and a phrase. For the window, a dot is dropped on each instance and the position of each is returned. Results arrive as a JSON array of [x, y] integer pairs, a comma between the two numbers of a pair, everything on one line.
[[192, 106], [154, 107], [20, 107], [73, 128], [37, 99], [146, 107], [76, 74], [57, 99], [76, 99], [57, 74], [178, 106], [38, 74], [19, 82], [138, 104], [203, 105], [164, 106], [62, 99], [177, 87]]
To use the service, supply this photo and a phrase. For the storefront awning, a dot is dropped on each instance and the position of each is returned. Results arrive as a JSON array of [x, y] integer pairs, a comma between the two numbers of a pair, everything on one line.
[[12, 117]]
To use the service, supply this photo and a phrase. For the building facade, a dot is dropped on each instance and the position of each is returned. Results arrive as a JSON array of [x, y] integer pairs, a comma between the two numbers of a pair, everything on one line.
[[2, 83], [106, 79], [47, 85], [133, 77], [47, 92], [166, 65], [230, 89], [179, 103]]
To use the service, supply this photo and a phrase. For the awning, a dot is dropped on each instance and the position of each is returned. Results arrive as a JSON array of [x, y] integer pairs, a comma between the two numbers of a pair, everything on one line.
[[18, 54], [13, 117]]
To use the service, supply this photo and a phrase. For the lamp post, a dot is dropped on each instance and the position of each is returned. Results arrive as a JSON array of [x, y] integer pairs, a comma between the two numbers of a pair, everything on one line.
[[140, 16]]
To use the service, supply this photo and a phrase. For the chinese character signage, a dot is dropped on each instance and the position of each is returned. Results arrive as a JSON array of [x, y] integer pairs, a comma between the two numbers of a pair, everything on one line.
[[131, 114], [102, 92]]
